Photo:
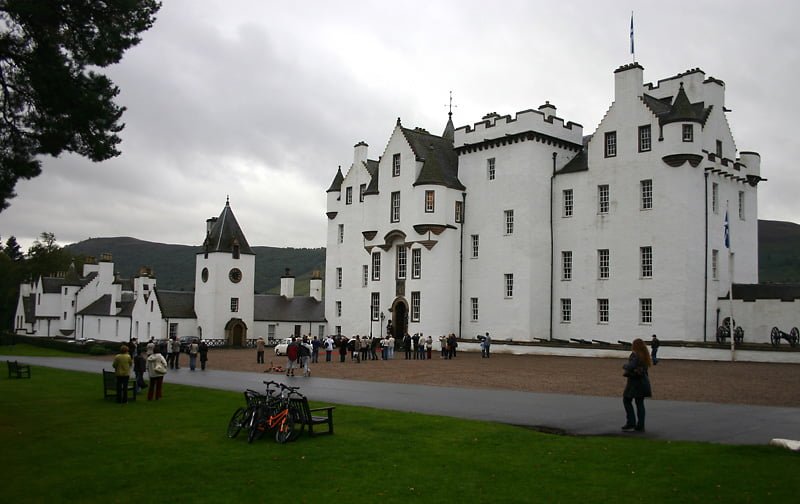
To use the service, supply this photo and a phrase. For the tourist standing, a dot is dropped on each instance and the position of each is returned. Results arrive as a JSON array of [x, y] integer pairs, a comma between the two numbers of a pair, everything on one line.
[[292, 354], [156, 369], [315, 344], [407, 345], [203, 349], [122, 370], [170, 354], [328, 348], [139, 367], [390, 342], [357, 348], [151, 347], [305, 356], [260, 351], [194, 348], [415, 345], [654, 344], [343, 349], [429, 346], [487, 343], [637, 386]]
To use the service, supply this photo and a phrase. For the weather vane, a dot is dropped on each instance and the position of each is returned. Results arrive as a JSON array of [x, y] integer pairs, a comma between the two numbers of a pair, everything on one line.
[[450, 105]]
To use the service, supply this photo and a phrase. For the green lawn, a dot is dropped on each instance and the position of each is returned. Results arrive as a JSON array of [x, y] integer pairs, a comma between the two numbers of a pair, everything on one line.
[[62, 442]]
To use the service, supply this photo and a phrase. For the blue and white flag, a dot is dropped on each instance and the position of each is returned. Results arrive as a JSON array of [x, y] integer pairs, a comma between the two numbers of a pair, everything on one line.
[[727, 232], [632, 33]]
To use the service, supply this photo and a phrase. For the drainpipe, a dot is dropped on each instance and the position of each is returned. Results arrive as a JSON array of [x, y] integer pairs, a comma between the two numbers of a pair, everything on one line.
[[705, 271], [461, 264], [552, 247]]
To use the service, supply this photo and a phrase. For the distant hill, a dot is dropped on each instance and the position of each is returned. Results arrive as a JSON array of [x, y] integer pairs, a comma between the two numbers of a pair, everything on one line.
[[174, 265], [778, 252]]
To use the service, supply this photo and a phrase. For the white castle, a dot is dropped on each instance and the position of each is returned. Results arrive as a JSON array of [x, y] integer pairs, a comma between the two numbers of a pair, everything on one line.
[[524, 227], [97, 304]]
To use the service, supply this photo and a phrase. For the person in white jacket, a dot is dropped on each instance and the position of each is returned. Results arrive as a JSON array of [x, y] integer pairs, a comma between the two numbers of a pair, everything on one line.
[[156, 370]]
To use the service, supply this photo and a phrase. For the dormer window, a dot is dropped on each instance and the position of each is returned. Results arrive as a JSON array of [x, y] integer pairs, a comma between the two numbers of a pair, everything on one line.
[[236, 251]]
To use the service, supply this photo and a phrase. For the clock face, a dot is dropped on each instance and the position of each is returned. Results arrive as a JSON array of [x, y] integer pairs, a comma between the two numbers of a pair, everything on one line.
[[235, 275]]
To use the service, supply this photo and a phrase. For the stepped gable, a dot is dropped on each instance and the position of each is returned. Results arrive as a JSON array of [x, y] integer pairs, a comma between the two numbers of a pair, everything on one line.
[[226, 234], [176, 304], [438, 157], [282, 309]]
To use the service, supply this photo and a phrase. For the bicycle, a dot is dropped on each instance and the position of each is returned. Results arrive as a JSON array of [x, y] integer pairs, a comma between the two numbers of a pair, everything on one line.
[[242, 417], [277, 414]]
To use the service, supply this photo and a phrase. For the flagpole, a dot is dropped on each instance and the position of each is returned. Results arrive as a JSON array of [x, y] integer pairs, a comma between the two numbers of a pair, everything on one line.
[[633, 52], [730, 275]]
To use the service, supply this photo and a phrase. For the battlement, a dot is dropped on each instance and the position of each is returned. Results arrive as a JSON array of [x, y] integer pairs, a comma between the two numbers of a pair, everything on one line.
[[495, 126]]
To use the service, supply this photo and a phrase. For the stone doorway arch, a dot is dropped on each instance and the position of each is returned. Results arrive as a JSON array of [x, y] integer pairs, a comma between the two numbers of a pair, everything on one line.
[[236, 333]]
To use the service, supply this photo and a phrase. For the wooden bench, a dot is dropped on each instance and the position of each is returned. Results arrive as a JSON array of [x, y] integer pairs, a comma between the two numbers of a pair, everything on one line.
[[17, 370], [110, 386], [307, 416]]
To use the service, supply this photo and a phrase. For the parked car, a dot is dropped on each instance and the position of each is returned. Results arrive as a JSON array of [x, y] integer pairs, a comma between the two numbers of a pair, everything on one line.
[[185, 341], [280, 348]]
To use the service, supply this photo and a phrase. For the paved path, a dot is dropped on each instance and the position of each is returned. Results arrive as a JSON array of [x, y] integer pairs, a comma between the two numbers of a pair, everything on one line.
[[571, 414]]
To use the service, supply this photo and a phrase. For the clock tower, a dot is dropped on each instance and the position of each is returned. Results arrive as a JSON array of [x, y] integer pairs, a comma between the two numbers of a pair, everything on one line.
[[225, 281]]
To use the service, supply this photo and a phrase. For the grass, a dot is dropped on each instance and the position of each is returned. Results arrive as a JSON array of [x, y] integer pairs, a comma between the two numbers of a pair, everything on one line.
[[60, 438]]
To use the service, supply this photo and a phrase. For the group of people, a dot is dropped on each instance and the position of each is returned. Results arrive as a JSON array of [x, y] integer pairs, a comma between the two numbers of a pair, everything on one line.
[[153, 362]]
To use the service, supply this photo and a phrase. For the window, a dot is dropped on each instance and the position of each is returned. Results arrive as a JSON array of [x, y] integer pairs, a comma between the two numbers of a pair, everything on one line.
[[416, 263], [567, 206], [719, 148], [338, 329], [415, 306], [647, 194], [715, 264], [430, 201], [474, 309], [475, 244], [395, 208], [490, 168], [338, 308], [646, 255], [348, 196], [375, 305], [509, 284], [321, 331], [341, 233], [602, 311], [402, 256], [361, 190], [173, 330], [338, 278], [271, 332], [645, 311], [715, 197], [376, 265], [611, 144], [236, 251], [509, 221], [644, 138], [396, 165], [566, 310], [364, 275], [602, 199], [603, 264], [566, 265], [234, 304], [459, 211], [688, 133], [741, 205]]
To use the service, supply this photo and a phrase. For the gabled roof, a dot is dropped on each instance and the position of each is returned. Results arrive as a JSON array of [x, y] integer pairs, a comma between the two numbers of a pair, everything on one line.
[[226, 233], [176, 304], [52, 285], [679, 110], [282, 309], [581, 160], [438, 157], [372, 168], [336, 185], [101, 306]]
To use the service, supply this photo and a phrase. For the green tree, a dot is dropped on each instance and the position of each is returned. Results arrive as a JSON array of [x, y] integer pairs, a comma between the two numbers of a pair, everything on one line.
[[53, 100], [13, 249]]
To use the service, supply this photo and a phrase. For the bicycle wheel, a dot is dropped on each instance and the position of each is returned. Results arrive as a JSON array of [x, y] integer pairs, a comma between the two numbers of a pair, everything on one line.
[[257, 425], [285, 430], [237, 422]]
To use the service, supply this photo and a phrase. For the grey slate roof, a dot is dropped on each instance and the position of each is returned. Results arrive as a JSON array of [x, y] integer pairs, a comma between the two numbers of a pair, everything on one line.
[[176, 304], [101, 306], [372, 168], [679, 110], [336, 185], [280, 309], [225, 233], [581, 160], [438, 157]]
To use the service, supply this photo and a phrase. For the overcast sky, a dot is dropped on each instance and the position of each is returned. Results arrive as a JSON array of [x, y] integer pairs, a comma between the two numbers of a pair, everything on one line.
[[261, 100]]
